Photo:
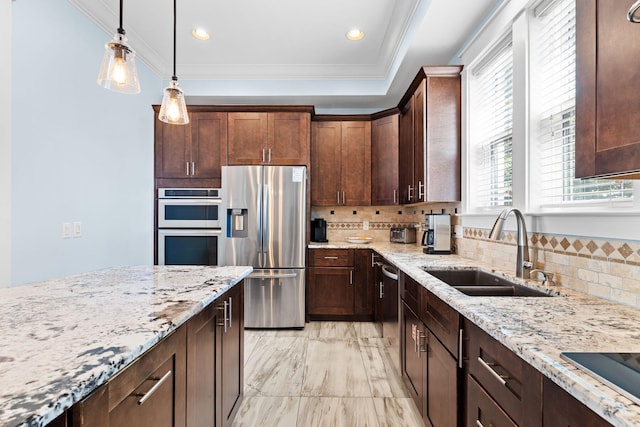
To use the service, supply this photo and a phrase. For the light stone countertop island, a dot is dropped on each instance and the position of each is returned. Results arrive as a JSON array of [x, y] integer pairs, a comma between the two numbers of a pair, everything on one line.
[[61, 339], [536, 329]]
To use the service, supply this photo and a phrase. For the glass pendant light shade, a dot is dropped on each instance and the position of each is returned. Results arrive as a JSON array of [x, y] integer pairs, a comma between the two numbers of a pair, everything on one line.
[[118, 71], [174, 108]]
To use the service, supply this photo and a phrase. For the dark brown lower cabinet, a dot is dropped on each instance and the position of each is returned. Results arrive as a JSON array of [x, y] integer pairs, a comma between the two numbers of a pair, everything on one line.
[[193, 377], [330, 291], [482, 410], [560, 409], [231, 353], [414, 366], [149, 392]]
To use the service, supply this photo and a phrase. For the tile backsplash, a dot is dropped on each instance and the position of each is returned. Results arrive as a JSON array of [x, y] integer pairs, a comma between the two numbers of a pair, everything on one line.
[[605, 268], [347, 221]]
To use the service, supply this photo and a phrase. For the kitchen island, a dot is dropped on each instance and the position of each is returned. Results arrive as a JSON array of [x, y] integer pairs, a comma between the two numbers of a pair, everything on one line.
[[535, 329], [62, 339]]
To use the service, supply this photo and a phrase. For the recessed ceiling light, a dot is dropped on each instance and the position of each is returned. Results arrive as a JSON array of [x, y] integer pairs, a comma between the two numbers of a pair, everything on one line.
[[355, 34], [200, 33]]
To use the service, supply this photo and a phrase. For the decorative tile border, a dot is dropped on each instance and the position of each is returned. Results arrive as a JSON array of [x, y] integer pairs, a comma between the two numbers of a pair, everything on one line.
[[619, 251], [372, 225]]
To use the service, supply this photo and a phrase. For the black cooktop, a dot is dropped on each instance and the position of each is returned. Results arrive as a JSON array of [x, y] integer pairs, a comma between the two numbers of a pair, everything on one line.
[[620, 371]]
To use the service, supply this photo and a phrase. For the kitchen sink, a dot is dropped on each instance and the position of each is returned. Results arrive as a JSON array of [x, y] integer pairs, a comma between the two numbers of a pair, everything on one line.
[[476, 282]]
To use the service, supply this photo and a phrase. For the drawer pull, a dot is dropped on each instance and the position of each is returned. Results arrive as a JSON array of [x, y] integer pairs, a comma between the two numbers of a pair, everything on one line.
[[460, 349], [331, 257], [479, 424], [497, 376], [145, 396]]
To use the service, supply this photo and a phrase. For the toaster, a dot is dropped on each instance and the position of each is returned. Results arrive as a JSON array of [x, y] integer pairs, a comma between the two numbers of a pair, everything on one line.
[[403, 235]]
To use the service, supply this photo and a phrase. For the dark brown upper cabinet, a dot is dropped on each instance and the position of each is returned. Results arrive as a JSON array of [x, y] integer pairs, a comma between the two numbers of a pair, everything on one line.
[[384, 160], [191, 155], [429, 129], [341, 163], [276, 138], [607, 106]]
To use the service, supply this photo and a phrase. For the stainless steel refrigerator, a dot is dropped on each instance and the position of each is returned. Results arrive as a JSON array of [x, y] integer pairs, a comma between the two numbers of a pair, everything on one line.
[[265, 228]]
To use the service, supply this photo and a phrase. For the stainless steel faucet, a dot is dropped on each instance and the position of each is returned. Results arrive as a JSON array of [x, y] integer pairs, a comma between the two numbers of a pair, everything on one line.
[[523, 265]]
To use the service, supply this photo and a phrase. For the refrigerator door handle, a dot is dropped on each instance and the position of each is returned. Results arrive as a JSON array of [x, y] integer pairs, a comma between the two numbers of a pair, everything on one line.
[[265, 221], [259, 225]]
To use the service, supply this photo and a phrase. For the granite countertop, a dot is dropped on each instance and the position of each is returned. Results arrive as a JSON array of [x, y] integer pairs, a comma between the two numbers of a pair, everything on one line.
[[537, 329], [61, 339]]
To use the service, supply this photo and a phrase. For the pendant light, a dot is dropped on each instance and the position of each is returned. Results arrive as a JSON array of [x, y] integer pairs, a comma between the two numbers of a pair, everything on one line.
[[173, 109], [118, 71]]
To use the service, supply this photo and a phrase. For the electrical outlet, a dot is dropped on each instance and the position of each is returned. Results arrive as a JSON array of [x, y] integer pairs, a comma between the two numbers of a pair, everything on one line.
[[77, 229], [66, 230], [365, 225]]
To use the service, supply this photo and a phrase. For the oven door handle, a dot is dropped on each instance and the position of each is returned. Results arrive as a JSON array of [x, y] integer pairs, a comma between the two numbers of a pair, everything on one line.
[[272, 276]]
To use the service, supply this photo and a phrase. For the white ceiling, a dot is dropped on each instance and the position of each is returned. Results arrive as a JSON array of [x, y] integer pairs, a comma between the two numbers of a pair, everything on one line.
[[295, 51]]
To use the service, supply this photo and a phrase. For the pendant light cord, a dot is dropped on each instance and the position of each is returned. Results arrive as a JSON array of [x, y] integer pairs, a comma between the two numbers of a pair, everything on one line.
[[120, 29], [174, 41]]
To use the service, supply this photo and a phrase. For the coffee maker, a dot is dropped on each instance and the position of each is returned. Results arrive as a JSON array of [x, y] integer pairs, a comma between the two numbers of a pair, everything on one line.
[[319, 230], [436, 238]]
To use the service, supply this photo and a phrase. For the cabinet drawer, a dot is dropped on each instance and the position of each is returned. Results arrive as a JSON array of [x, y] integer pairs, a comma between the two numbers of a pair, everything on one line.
[[482, 410], [410, 291], [510, 381], [442, 320], [331, 258]]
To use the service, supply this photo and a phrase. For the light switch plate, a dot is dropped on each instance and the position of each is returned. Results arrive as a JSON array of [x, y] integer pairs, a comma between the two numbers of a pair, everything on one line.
[[365, 225], [77, 229], [66, 230]]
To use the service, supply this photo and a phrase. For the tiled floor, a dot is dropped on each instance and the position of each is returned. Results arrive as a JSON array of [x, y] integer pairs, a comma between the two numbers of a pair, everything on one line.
[[329, 374]]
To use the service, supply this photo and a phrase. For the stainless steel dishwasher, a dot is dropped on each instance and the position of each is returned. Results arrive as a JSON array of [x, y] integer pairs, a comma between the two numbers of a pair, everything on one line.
[[390, 305]]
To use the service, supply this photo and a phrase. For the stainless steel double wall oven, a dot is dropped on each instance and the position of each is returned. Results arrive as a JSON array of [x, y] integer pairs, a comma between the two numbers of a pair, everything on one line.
[[190, 223]]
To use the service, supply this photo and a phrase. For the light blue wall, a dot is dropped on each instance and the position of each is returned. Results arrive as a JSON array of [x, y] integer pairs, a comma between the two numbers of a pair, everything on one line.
[[79, 152]]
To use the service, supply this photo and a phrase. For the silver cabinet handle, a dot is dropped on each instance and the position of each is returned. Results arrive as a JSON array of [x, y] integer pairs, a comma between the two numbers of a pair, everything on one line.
[[230, 311], [381, 289], [390, 274], [263, 161], [420, 190], [331, 257], [193, 168], [460, 349], [187, 168], [344, 198], [631, 15], [395, 196], [269, 161], [420, 337], [488, 366], [351, 277], [338, 197], [410, 196], [479, 424], [224, 309], [153, 389], [373, 260]]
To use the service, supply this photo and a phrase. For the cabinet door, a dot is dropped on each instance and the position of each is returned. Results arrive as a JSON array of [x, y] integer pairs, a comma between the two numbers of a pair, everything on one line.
[[607, 51], [326, 156], [419, 123], [560, 409], [288, 140], [231, 353], [330, 291], [482, 410], [173, 150], [364, 283], [201, 368], [442, 147], [414, 363], [442, 386], [208, 144], [384, 161], [405, 155], [356, 163], [247, 141]]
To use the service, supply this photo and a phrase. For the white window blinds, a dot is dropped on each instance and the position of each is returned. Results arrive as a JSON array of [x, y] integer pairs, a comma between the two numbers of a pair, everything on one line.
[[554, 39], [491, 128]]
